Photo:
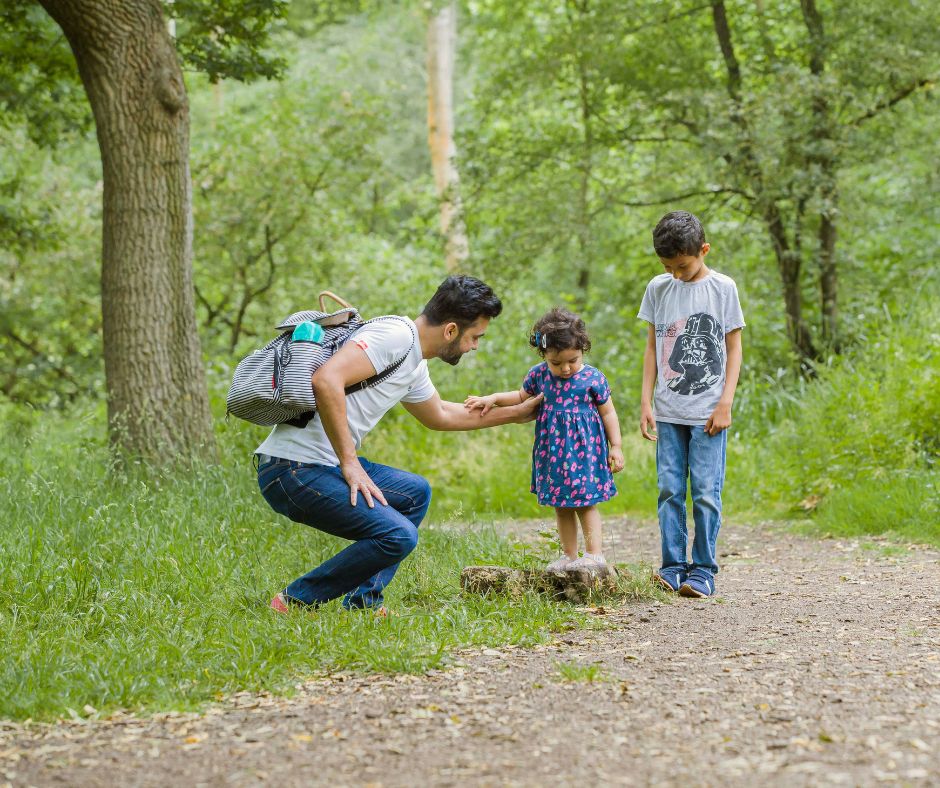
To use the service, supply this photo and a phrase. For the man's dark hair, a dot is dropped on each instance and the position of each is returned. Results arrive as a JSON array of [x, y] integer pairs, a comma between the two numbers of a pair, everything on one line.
[[462, 300], [678, 232]]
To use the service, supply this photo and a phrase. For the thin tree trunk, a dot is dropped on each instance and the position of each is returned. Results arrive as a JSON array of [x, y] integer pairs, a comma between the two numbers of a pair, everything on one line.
[[442, 44], [824, 157], [584, 191], [157, 400], [789, 260]]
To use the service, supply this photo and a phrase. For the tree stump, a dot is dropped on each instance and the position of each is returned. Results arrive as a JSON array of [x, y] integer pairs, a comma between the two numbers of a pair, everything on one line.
[[573, 585]]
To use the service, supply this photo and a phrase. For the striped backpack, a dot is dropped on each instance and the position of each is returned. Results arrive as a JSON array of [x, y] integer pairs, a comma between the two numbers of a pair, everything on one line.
[[272, 385]]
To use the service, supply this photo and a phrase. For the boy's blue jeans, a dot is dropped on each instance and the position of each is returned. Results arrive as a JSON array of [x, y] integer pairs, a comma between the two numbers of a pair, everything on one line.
[[684, 452], [318, 496]]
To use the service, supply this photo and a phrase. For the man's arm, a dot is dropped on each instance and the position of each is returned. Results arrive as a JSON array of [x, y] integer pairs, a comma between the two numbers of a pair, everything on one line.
[[647, 422], [500, 399], [348, 366], [721, 416], [438, 414]]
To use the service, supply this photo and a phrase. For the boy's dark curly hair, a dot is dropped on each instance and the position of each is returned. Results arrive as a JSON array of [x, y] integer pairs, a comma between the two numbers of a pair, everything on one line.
[[678, 233], [559, 329]]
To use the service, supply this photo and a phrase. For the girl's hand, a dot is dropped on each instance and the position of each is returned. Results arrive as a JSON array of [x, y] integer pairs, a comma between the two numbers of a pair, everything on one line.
[[647, 422], [486, 404], [615, 459]]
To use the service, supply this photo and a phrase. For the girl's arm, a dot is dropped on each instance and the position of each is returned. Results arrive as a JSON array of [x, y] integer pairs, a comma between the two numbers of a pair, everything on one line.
[[500, 399], [612, 428], [647, 422]]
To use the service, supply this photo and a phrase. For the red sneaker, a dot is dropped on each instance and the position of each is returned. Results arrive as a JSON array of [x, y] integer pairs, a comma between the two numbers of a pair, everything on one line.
[[279, 603]]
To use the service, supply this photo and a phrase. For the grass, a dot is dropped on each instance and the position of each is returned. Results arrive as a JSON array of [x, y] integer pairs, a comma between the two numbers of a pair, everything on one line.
[[148, 590], [575, 671]]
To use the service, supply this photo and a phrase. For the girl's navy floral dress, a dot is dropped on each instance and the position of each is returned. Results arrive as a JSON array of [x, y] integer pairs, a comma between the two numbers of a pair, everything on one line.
[[569, 459]]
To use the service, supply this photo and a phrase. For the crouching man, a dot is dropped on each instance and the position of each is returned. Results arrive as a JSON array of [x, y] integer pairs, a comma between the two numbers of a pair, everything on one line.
[[314, 476]]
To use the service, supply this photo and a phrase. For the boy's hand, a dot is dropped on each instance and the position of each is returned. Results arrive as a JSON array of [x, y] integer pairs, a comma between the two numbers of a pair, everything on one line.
[[485, 403], [647, 422], [719, 420], [615, 459]]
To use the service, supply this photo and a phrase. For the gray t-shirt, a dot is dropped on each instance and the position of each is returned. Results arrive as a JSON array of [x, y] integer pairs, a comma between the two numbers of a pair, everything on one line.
[[691, 320], [384, 342]]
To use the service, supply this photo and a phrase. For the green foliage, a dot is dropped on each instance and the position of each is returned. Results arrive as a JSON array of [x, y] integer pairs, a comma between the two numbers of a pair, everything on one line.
[[141, 590], [862, 442], [231, 38], [39, 83]]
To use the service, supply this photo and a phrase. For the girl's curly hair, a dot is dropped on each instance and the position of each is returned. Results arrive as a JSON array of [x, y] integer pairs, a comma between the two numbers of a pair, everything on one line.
[[559, 329]]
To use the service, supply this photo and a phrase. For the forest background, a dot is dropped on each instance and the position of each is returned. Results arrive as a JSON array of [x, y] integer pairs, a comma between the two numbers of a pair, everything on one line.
[[803, 135]]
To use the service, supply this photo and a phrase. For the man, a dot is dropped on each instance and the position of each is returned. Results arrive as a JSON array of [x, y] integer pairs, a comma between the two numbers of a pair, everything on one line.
[[313, 475]]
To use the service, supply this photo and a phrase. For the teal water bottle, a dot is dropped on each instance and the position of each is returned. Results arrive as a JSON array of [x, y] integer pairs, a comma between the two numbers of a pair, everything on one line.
[[308, 331]]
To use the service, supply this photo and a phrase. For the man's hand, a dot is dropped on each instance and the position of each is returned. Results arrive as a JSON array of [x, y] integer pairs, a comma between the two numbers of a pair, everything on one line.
[[528, 409], [485, 403], [647, 422], [358, 480], [719, 420], [615, 459]]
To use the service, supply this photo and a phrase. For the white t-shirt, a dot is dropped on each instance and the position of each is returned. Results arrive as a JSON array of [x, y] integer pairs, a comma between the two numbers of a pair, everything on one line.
[[384, 342], [691, 320]]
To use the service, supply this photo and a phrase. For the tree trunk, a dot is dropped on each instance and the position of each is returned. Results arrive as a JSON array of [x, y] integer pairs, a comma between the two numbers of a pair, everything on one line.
[[823, 156], [442, 43], [789, 260], [157, 400]]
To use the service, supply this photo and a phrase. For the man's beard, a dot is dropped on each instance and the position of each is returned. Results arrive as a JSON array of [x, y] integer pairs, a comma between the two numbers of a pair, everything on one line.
[[451, 352]]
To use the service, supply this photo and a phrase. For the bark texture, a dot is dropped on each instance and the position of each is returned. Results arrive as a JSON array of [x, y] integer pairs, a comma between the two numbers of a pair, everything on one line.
[[442, 45], [157, 398]]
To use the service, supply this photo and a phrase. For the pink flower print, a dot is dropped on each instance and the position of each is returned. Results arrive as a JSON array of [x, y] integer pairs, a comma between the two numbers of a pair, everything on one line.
[[567, 402], [580, 455]]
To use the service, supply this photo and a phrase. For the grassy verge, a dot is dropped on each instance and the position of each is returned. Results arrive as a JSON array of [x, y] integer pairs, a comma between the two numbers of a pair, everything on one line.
[[150, 592]]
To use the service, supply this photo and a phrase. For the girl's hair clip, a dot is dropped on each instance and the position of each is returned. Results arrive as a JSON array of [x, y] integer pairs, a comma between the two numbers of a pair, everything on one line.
[[541, 340]]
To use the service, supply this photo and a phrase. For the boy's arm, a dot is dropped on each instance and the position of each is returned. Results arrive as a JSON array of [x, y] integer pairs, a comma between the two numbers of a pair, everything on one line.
[[612, 428], [500, 399], [647, 422], [721, 416]]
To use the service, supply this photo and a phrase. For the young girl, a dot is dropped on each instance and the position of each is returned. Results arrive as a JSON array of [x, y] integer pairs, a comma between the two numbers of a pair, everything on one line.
[[571, 461]]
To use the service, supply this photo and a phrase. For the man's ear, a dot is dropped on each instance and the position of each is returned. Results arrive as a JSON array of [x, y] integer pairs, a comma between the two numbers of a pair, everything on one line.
[[451, 330], [705, 248]]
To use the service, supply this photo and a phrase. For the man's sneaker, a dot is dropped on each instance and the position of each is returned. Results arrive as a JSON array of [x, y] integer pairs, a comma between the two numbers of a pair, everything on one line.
[[279, 603], [699, 583], [670, 578]]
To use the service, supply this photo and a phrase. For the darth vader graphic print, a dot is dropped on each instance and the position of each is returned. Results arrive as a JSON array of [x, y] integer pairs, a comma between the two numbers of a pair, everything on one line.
[[693, 354]]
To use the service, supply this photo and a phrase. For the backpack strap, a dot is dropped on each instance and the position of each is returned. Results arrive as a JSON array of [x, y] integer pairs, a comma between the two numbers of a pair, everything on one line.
[[303, 419]]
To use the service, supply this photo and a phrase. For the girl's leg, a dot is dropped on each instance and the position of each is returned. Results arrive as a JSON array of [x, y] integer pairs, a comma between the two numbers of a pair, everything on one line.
[[590, 518], [568, 531]]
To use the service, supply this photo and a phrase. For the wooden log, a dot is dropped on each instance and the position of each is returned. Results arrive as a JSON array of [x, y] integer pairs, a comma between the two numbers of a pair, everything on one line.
[[572, 586]]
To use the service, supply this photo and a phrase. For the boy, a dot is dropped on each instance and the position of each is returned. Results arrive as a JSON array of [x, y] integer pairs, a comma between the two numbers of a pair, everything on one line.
[[692, 360]]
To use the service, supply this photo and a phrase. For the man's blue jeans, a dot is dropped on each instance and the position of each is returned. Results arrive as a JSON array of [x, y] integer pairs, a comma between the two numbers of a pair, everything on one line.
[[318, 496], [684, 451]]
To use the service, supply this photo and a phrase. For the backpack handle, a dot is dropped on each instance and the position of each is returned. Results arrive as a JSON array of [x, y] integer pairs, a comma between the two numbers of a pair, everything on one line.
[[327, 294]]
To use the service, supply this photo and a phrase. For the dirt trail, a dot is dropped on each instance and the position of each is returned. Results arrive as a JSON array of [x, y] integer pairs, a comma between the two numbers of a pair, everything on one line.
[[818, 663]]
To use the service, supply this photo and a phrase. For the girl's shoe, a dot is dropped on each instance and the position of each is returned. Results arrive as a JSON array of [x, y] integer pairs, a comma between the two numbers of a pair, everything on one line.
[[559, 564], [699, 584], [588, 561]]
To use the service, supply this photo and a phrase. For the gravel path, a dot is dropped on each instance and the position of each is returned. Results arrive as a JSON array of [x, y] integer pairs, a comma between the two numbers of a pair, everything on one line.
[[818, 663]]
